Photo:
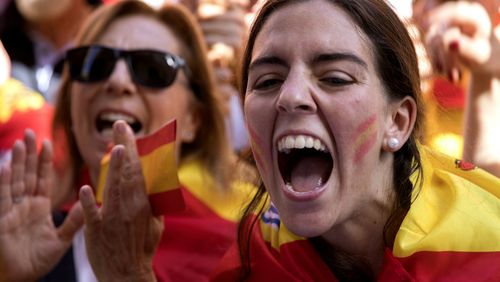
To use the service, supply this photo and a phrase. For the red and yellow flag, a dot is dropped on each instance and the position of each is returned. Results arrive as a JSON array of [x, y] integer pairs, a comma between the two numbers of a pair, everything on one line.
[[451, 233], [159, 167]]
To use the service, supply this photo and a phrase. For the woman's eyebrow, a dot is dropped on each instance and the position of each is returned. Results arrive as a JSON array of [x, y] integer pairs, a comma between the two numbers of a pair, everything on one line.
[[269, 60], [339, 56]]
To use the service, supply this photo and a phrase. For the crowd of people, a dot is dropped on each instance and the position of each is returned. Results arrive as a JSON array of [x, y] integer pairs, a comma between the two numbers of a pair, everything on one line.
[[312, 140]]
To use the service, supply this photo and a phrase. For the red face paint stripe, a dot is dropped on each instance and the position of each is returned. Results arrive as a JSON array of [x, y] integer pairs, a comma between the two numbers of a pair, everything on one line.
[[365, 137], [256, 144]]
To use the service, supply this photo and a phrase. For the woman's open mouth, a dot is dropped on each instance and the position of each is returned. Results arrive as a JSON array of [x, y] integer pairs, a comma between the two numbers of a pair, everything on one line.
[[305, 163], [104, 122]]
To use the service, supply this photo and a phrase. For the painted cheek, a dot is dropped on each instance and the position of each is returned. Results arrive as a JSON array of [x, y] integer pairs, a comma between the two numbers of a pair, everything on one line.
[[257, 149], [364, 137]]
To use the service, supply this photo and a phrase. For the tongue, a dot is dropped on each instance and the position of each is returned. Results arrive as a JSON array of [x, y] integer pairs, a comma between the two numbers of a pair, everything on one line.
[[309, 173]]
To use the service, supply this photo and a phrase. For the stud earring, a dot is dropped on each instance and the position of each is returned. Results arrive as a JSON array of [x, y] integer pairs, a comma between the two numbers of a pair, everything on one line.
[[393, 143]]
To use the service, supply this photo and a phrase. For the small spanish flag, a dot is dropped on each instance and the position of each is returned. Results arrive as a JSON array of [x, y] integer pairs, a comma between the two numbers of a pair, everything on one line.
[[159, 166]]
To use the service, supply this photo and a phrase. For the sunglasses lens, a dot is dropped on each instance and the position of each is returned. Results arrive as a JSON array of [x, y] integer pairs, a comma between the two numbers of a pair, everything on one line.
[[90, 64], [153, 69]]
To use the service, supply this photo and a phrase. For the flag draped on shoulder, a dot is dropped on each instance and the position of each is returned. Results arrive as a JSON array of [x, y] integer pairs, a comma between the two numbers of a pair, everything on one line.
[[450, 233], [159, 167], [452, 230]]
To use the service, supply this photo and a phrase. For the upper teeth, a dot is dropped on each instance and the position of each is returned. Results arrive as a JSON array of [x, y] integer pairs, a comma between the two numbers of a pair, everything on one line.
[[289, 142], [117, 116]]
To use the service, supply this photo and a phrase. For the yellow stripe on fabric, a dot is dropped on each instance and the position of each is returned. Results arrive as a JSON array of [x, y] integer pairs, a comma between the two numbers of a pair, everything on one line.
[[277, 236], [455, 210], [159, 169], [227, 203]]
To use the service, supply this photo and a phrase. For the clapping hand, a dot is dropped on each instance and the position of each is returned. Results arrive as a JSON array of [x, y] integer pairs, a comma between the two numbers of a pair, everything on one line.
[[122, 235], [30, 244]]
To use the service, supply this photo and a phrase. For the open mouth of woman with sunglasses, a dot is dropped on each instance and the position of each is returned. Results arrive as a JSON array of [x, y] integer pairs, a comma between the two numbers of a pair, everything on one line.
[[127, 74]]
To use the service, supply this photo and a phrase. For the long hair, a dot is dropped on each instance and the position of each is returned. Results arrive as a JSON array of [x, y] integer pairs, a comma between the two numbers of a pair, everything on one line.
[[396, 64], [211, 144]]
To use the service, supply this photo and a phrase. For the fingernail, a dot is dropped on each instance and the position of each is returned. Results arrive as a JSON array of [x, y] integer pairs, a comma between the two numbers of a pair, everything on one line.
[[454, 46], [120, 126], [84, 191], [118, 152]]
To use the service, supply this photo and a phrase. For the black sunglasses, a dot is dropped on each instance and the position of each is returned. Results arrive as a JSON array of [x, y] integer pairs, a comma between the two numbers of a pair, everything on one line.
[[148, 68]]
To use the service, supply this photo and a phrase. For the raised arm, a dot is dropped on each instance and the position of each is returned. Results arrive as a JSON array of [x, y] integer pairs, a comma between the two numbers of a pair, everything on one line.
[[462, 36], [30, 244]]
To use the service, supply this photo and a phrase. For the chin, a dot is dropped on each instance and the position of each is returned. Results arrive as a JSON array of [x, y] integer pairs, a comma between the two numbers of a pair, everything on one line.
[[307, 225]]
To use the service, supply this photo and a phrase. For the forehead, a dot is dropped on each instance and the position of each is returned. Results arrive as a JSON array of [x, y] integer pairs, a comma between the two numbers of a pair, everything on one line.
[[310, 27], [139, 32]]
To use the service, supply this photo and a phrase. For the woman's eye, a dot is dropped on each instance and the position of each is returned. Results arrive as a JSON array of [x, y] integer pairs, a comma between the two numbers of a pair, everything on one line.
[[264, 84], [337, 81]]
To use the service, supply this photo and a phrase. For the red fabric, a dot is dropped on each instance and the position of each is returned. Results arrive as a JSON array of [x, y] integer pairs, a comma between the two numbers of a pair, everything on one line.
[[193, 242], [295, 261], [166, 202], [453, 266], [39, 120], [448, 95], [298, 261]]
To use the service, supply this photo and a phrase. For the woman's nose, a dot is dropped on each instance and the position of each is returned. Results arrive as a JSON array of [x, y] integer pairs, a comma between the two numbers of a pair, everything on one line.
[[120, 81], [296, 96]]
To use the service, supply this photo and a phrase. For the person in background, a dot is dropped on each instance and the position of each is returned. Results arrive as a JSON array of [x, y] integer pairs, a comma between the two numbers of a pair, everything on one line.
[[463, 40], [332, 105], [224, 28], [20, 108], [121, 83], [36, 34]]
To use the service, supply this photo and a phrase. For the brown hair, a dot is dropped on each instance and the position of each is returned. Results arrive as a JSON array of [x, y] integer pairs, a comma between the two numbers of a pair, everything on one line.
[[397, 66], [210, 144]]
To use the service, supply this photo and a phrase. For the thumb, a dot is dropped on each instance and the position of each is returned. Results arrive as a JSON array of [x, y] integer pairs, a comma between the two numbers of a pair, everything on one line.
[[71, 224]]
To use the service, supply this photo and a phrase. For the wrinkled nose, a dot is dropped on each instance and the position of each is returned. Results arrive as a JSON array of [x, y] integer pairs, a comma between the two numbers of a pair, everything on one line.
[[120, 81], [296, 96]]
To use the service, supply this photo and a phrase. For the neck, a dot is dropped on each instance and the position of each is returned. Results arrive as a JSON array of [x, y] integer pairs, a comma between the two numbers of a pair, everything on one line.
[[362, 235]]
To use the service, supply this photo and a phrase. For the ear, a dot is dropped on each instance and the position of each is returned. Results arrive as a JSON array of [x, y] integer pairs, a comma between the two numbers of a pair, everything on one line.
[[401, 119], [190, 123]]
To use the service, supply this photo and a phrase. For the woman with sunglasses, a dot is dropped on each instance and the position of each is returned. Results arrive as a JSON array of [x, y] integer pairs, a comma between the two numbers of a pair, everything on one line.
[[331, 97], [133, 70]]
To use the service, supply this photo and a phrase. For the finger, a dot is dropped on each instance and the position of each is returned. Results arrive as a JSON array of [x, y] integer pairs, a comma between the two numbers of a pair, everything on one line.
[[433, 45], [111, 194], [30, 174], [5, 193], [45, 170], [91, 214], [73, 222], [18, 165], [450, 55], [123, 134], [132, 187]]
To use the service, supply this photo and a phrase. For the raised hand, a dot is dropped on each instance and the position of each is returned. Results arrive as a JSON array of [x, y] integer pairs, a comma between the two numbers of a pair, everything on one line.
[[30, 244], [461, 34], [122, 235]]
